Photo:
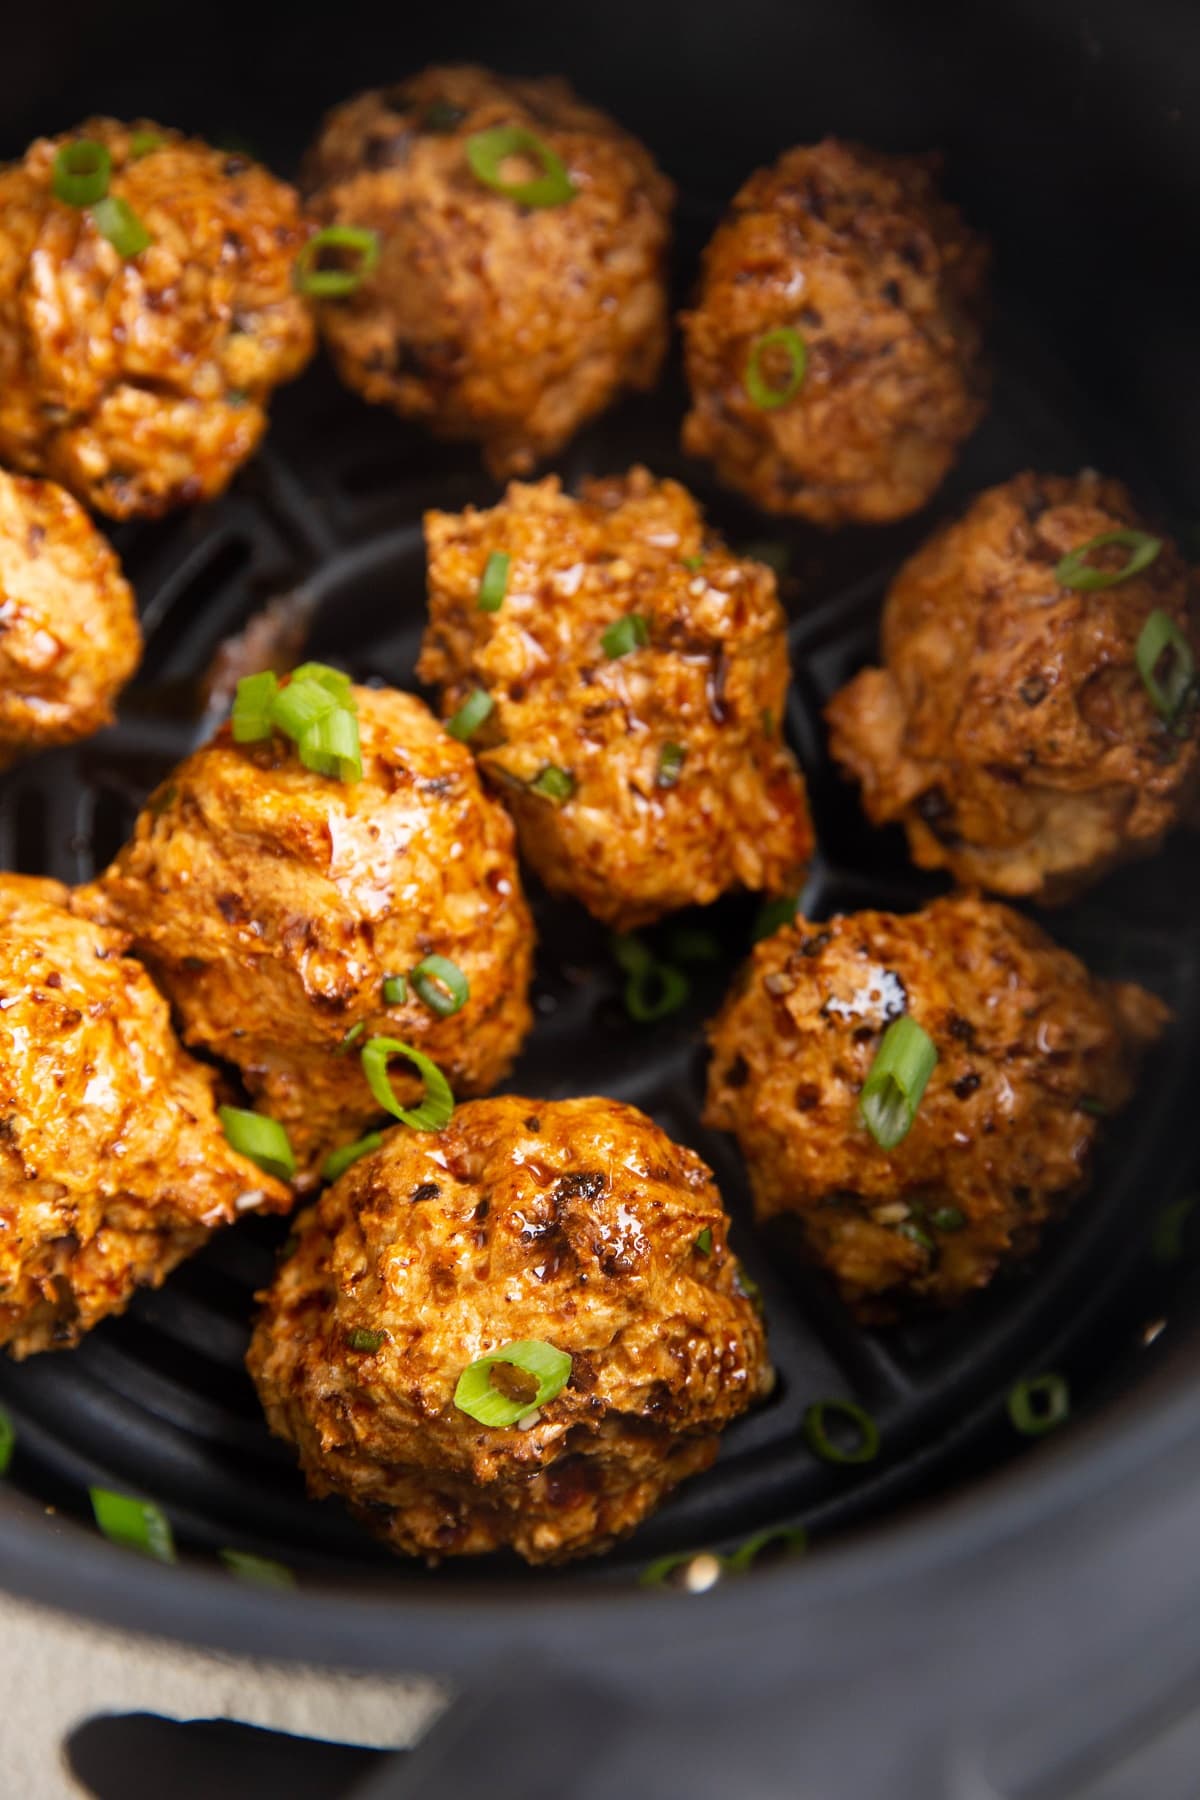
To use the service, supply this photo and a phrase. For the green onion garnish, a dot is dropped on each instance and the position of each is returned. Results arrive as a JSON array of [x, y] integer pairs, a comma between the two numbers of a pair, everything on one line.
[[693, 564], [553, 783], [864, 1450], [703, 1243], [350, 1038], [1166, 665], [262, 1140], [301, 704], [253, 707], [659, 1572], [331, 746], [81, 171], [1074, 571], [442, 116], [116, 220], [891, 1094], [438, 1102], [1039, 1404], [774, 915], [624, 635], [497, 1399], [477, 707], [1167, 1236], [137, 1524], [947, 1218], [493, 583], [141, 143], [691, 943], [766, 394], [653, 989], [441, 984], [671, 759], [369, 1341], [325, 675], [259, 1570], [336, 283], [8, 1440], [338, 1161], [395, 990], [487, 152], [791, 1539]]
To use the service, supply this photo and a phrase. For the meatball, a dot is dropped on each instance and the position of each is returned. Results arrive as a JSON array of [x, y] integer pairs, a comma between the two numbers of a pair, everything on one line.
[[638, 673], [576, 1223], [113, 1166], [69, 637], [834, 351], [1010, 730], [1032, 1050], [140, 381], [499, 322], [272, 904]]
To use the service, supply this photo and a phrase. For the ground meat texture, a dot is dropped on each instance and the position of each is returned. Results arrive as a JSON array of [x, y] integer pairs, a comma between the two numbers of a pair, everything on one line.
[[1032, 1052], [141, 384], [272, 904], [573, 1222], [682, 786], [1009, 729], [857, 253], [69, 637], [488, 320], [113, 1165]]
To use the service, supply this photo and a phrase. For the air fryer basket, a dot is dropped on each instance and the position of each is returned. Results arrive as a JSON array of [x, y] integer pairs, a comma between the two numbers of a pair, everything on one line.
[[1069, 135]]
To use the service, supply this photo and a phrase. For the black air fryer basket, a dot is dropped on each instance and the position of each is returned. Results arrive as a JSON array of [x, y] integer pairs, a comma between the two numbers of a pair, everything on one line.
[[970, 1621]]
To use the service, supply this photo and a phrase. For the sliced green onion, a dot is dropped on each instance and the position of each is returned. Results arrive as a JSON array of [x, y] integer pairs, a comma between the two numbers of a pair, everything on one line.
[[659, 1572], [438, 1103], [653, 989], [80, 173], [136, 1524], [362, 1339], [774, 915], [487, 151], [693, 564], [891, 1094], [553, 783], [764, 393], [336, 283], [703, 1243], [1167, 1236], [116, 220], [330, 746], [336, 681], [864, 1450], [1074, 571], [253, 707], [141, 143], [338, 1161], [8, 1440], [947, 1218], [791, 1539], [917, 1234], [624, 635], [442, 116], [395, 990], [261, 1571], [745, 1284], [477, 707], [1166, 665], [441, 984], [1039, 1404], [691, 943], [485, 1398], [493, 584], [262, 1140], [768, 722], [299, 705], [671, 759], [350, 1038]]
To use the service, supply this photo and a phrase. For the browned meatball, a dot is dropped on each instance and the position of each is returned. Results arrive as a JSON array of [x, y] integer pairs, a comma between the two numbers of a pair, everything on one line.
[[1030, 1050], [576, 1223], [642, 781], [881, 281], [488, 319], [113, 1166], [141, 382], [273, 903], [69, 637], [1010, 730]]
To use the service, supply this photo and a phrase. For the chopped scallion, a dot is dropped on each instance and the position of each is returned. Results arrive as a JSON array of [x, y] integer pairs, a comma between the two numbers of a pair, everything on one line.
[[253, 707], [488, 151], [262, 1140], [1076, 572], [338, 1161], [395, 990], [1038, 1404], [438, 1102], [477, 707], [336, 282], [866, 1445], [81, 172], [495, 1400], [553, 783], [261, 1571], [116, 220], [441, 984], [493, 584], [1166, 665], [768, 392], [892, 1092], [136, 1524], [625, 635], [671, 759]]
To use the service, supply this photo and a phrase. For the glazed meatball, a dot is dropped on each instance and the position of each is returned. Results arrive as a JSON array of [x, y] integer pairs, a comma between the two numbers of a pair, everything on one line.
[[638, 673], [113, 1166], [1032, 1051], [69, 637], [574, 1223], [141, 381], [1009, 729], [503, 323], [834, 351], [273, 903]]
